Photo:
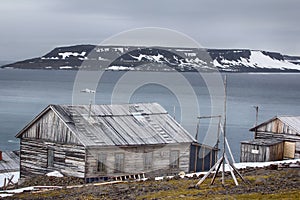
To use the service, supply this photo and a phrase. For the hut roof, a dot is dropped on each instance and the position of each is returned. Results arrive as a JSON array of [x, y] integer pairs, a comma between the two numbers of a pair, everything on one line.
[[10, 162], [121, 125], [291, 121]]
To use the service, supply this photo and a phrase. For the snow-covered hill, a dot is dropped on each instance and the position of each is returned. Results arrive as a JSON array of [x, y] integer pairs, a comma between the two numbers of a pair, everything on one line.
[[257, 60], [163, 59]]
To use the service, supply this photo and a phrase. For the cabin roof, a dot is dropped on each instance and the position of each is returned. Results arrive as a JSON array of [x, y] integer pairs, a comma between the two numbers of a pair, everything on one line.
[[121, 124], [10, 162], [291, 121]]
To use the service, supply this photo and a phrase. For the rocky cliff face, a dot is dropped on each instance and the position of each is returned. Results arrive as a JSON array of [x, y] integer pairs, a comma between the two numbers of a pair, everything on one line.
[[162, 59]]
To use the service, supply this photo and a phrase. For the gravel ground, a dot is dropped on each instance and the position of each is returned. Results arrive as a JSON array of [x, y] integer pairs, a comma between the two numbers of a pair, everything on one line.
[[268, 180]]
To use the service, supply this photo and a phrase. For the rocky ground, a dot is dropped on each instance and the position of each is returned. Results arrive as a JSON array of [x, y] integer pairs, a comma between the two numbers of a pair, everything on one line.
[[273, 182]]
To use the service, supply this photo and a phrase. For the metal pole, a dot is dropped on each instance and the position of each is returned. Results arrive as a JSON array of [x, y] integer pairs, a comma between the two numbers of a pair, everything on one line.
[[256, 119], [174, 112], [90, 108], [197, 130]]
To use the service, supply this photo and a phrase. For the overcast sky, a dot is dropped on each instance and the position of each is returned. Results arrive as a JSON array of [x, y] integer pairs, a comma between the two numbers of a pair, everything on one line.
[[31, 28]]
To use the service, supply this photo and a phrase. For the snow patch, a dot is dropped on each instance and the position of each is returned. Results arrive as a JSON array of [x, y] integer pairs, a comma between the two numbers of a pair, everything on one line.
[[260, 60], [8, 175], [257, 60], [102, 50], [155, 58], [190, 54], [120, 49], [184, 50], [65, 55], [65, 67], [50, 58], [241, 166], [55, 173], [16, 191], [217, 64], [119, 68], [103, 59]]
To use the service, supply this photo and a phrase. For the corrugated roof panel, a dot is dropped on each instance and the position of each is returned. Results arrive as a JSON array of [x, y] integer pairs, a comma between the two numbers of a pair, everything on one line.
[[10, 162], [117, 125], [292, 121], [129, 129]]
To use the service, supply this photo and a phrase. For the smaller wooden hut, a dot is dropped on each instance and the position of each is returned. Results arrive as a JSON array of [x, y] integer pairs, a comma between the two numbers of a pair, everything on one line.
[[260, 150], [275, 139]]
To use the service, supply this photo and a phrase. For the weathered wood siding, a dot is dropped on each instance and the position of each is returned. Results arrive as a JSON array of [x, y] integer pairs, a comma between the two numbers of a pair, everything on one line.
[[51, 128], [283, 137], [276, 126], [134, 160], [68, 159], [261, 153], [50, 132]]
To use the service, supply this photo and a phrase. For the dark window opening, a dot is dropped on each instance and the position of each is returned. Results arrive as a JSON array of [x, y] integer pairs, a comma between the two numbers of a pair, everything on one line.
[[101, 164]]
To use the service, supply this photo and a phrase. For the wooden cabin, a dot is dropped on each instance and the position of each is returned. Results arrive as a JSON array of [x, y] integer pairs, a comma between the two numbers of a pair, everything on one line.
[[281, 135], [99, 141]]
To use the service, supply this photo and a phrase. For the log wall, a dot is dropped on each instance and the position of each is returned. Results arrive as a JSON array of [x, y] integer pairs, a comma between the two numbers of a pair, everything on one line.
[[68, 159], [51, 133], [134, 160], [261, 153]]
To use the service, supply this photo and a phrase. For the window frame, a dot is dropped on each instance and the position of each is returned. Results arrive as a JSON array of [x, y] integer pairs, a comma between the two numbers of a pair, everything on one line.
[[101, 163], [119, 162], [174, 159], [148, 160]]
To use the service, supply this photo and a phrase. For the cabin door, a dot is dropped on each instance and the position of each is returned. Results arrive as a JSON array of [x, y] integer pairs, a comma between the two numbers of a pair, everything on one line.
[[289, 150]]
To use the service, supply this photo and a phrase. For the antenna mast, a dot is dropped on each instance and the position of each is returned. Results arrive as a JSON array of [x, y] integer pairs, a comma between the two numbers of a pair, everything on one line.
[[223, 159]]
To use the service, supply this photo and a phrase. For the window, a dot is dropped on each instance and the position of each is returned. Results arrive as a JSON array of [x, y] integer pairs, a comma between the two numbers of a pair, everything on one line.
[[119, 162], [174, 159], [101, 164], [148, 160], [50, 158]]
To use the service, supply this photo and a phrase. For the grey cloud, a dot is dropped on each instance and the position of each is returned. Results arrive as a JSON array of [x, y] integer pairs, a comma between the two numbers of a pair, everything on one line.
[[256, 24]]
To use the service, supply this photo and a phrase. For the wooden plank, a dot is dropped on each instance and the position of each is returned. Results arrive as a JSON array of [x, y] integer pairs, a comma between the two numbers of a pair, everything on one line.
[[289, 149]]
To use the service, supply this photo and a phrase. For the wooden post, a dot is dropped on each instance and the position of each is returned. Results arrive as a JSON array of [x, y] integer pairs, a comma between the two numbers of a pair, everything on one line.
[[224, 130], [4, 184], [197, 130], [203, 156], [196, 158]]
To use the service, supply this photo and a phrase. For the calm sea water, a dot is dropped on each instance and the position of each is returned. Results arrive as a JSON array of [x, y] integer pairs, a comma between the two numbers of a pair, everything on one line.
[[24, 93]]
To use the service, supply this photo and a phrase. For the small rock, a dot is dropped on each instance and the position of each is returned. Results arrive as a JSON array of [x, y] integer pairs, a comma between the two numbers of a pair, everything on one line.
[[260, 181], [273, 167]]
